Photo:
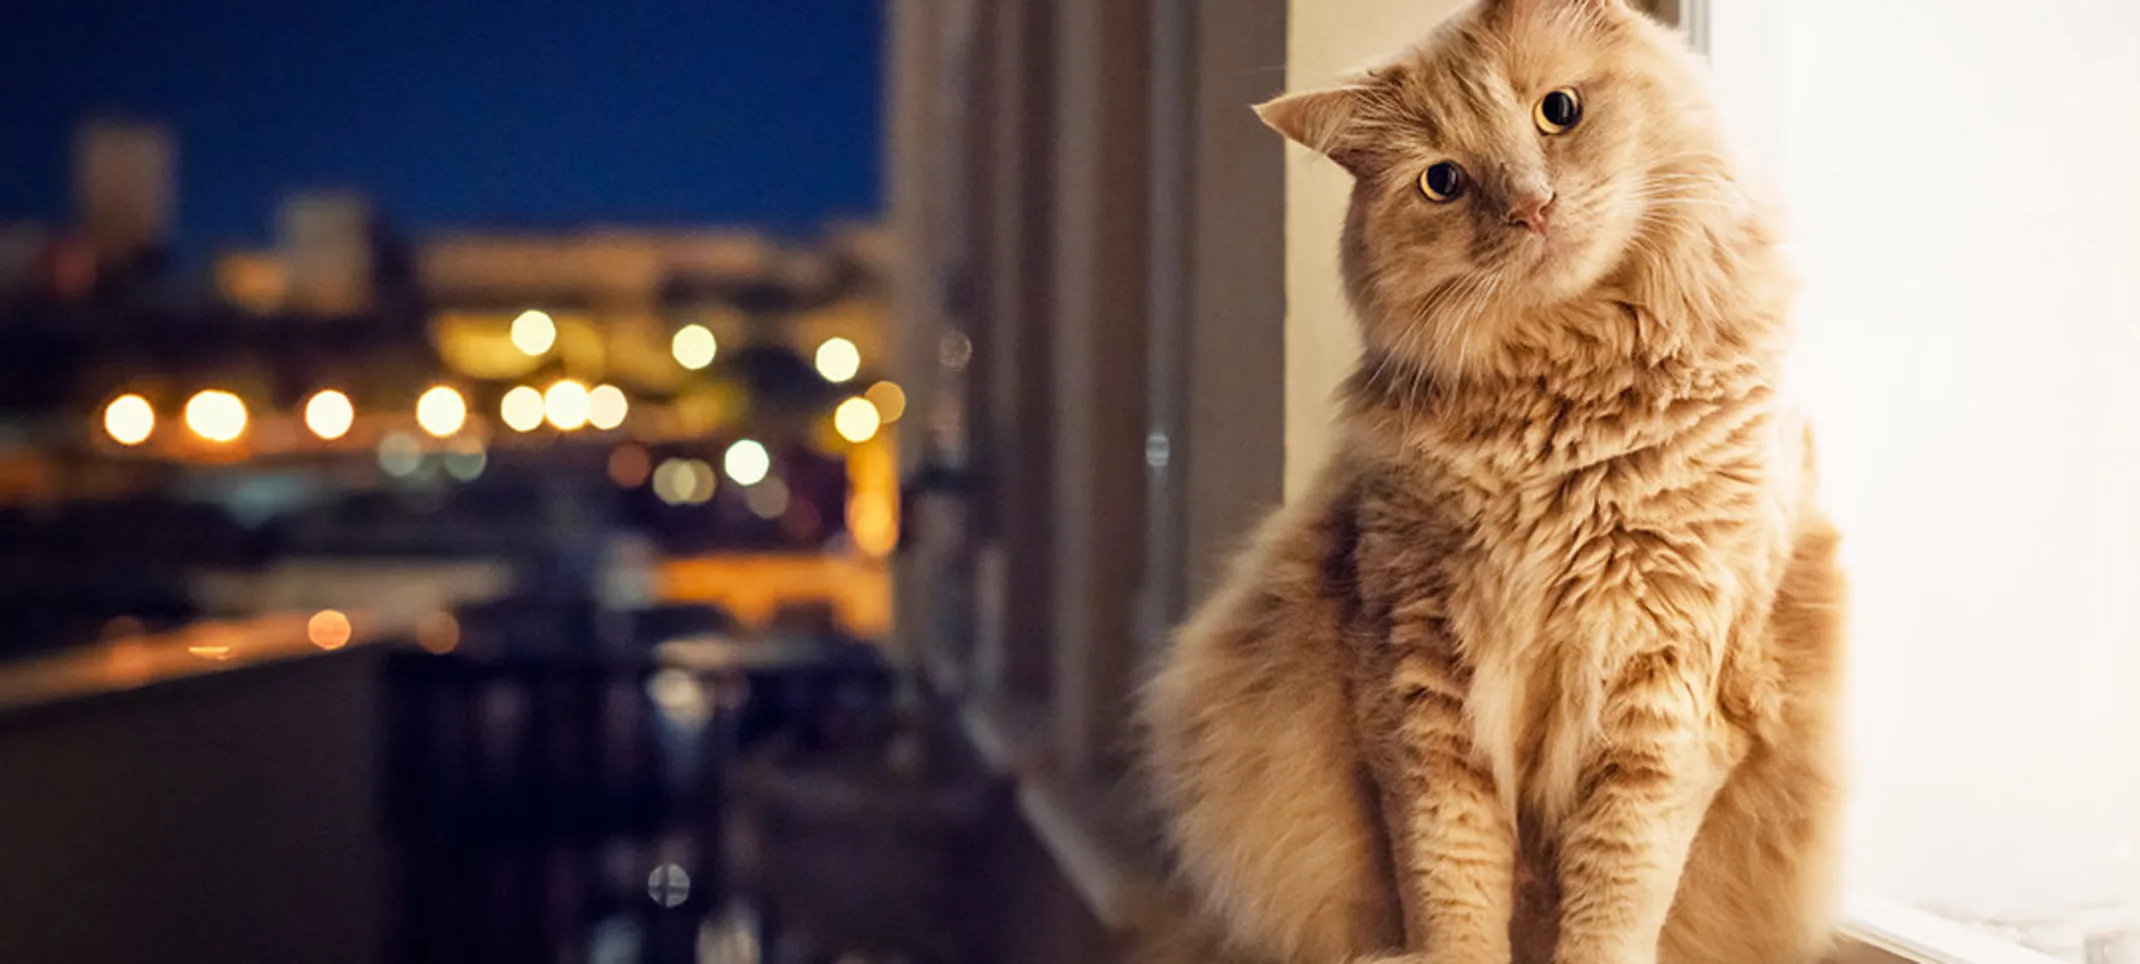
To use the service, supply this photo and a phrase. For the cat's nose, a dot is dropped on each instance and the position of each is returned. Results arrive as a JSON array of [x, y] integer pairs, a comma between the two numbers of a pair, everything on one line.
[[1533, 210]]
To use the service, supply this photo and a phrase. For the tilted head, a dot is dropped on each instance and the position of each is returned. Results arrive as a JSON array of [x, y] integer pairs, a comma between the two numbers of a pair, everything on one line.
[[1528, 153]]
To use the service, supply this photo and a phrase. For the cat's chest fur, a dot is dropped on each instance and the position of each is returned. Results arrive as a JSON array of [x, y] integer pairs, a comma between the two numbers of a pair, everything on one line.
[[1573, 535]]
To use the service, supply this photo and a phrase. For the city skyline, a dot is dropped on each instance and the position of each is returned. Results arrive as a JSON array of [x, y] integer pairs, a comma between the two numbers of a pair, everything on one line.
[[465, 115]]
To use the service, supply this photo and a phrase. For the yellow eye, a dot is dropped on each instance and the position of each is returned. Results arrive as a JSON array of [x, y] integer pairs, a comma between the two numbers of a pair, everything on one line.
[[1442, 182], [1559, 111]]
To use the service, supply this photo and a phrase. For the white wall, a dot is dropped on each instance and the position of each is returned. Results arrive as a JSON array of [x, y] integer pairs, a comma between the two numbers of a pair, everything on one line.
[[1328, 39], [1965, 176]]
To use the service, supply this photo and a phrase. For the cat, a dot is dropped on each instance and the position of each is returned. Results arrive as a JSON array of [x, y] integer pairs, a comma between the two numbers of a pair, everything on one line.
[[1545, 664]]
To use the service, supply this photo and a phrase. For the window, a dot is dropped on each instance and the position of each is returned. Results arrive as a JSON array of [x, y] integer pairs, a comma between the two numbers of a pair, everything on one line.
[[1962, 186]]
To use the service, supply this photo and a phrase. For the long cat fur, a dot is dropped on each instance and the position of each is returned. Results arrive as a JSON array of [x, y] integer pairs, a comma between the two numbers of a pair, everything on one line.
[[1545, 665]]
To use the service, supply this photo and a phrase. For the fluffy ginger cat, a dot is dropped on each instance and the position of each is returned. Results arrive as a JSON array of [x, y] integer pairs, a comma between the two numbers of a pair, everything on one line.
[[1545, 665]]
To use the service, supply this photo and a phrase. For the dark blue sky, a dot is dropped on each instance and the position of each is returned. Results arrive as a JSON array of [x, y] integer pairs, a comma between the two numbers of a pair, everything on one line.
[[460, 112]]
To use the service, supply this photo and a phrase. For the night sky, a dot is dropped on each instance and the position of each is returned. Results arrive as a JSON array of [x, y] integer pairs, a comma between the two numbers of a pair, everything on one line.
[[460, 112]]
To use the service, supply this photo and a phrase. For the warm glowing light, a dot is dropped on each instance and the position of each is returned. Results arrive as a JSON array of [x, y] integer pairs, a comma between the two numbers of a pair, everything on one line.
[[438, 633], [534, 332], [217, 416], [838, 360], [628, 466], [329, 414], [767, 499], [129, 420], [521, 409], [857, 420], [441, 411], [874, 523], [328, 629], [890, 399], [684, 482], [694, 347], [678, 695], [217, 653], [747, 462], [465, 459], [606, 407], [565, 405], [400, 455]]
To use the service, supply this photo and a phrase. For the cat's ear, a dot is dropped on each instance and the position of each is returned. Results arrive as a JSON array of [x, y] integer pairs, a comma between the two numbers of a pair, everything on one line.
[[1321, 120], [1530, 7]]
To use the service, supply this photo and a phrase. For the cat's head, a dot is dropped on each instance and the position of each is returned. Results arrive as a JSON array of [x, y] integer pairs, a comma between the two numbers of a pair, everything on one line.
[[1516, 159]]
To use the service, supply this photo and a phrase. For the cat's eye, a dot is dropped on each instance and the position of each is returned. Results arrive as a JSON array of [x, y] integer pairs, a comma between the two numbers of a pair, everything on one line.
[[1559, 111], [1442, 182]]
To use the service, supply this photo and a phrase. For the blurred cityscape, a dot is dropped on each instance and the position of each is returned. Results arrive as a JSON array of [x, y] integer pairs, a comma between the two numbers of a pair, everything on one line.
[[560, 512], [708, 403], [602, 507]]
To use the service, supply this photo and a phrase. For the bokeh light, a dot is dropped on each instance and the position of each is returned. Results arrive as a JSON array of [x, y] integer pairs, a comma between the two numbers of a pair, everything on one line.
[[465, 459], [694, 346], [129, 420], [216, 415], [684, 482], [890, 399], [669, 885], [874, 523], [629, 466], [747, 462], [767, 499], [441, 411], [682, 698], [534, 332], [329, 414], [606, 407], [521, 409], [838, 360], [328, 629], [565, 405], [438, 632], [857, 420], [400, 455]]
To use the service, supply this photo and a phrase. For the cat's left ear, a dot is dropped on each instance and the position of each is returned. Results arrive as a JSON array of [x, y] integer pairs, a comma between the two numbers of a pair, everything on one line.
[[1321, 120]]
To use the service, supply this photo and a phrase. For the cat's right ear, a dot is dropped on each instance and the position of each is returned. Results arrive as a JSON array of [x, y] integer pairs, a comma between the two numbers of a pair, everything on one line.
[[1321, 120]]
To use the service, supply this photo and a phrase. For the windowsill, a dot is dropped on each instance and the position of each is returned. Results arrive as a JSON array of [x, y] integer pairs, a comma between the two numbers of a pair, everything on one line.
[[1110, 866], [1011, 736], [1105, 861], [1078, 822], [1878, 932]]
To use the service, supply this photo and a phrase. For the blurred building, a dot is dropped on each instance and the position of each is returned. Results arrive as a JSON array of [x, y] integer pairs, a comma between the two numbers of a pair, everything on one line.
[[125, 184], [326, 243], [23, 247]]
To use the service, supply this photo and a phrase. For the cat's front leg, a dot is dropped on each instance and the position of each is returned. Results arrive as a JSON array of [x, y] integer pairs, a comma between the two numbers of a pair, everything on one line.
[[1454, 840], [1646, 786]]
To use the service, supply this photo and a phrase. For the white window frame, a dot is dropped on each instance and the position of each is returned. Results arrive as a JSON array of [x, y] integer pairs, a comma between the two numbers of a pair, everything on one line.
[[1874, 930]]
